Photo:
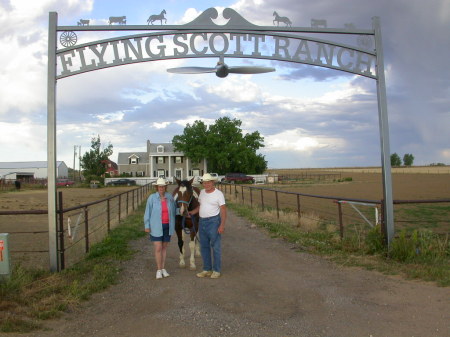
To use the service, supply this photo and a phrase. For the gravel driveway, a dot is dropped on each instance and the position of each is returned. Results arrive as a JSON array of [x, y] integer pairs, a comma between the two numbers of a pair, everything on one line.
[[267, 289]]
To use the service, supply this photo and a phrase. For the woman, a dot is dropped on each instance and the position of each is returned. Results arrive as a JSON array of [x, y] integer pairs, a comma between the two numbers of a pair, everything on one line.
[[159, 221]]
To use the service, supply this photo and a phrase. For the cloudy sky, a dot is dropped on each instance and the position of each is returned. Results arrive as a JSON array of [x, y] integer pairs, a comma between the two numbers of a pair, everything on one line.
[[309, 116]]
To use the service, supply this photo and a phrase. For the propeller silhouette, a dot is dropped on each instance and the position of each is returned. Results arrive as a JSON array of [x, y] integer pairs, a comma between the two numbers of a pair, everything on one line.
[[221, 69]]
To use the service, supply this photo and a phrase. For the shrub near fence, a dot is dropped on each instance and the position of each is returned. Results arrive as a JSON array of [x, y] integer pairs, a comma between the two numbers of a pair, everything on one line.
[[340, 214], [78, 228]]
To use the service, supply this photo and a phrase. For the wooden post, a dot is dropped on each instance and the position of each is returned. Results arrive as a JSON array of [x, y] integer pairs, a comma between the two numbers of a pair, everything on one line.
[[276, 199], [298, 211], [262, 200], [341, 222], [128, 193], [108, 214], [120, 204], [86, 229]]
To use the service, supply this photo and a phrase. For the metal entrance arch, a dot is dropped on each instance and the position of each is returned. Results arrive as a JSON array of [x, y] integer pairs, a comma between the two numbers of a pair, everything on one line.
[[202, 38]]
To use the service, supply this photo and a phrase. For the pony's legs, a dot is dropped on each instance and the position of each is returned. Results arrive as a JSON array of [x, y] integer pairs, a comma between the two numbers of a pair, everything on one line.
[[192, 265], [182, 264]]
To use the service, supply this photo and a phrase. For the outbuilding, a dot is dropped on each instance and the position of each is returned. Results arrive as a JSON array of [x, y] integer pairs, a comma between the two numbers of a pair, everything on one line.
[[27, 170]]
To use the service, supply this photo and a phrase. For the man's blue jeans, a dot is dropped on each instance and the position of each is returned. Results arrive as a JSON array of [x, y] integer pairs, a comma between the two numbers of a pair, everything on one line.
[[210, 239]]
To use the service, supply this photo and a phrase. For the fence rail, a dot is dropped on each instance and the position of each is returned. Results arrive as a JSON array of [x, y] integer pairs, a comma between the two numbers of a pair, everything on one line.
[[78, 228], [335, 213]]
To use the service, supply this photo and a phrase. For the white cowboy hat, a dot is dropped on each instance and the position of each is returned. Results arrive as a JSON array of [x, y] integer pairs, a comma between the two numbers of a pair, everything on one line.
[[208, 177], [161, 182]]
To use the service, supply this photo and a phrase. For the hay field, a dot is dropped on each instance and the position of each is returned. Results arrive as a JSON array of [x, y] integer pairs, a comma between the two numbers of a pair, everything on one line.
[[409, 170]]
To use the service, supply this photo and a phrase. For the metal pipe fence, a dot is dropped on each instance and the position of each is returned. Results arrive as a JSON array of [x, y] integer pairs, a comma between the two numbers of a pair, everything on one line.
[[78, 228], [339, 214]]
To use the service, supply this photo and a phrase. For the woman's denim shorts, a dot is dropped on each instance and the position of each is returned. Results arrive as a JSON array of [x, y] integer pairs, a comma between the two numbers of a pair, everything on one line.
[[165, 237]]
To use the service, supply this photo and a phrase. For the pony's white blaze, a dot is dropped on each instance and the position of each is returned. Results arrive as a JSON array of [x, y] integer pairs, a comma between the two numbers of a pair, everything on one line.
[[182, 190]]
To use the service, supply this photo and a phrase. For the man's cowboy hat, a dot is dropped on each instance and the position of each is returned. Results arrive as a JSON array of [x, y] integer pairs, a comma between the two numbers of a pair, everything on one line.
[[161, 182], [208, 177]]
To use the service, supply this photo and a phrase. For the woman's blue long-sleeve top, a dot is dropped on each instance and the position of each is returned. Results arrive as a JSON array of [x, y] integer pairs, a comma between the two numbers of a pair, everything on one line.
[[152, 216]]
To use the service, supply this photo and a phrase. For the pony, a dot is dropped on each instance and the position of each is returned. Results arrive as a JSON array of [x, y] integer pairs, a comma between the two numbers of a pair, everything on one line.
[[281, 19], [186, 198], [157, 17]]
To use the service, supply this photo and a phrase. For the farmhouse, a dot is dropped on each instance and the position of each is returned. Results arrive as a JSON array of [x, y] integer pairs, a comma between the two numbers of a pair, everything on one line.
[[27, 170], [160, 159]]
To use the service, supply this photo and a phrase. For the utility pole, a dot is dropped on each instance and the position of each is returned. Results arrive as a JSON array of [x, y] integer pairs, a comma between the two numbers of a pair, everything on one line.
[[79, 162], [74, 156]]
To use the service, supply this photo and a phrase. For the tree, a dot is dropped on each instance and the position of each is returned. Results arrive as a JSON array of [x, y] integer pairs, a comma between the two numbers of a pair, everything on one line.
[[395, 160], [92, 161], [408, 159], [223, 145]]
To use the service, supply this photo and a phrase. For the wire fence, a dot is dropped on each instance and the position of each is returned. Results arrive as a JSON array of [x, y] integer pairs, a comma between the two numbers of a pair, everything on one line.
[[78, 228], [340, 214]]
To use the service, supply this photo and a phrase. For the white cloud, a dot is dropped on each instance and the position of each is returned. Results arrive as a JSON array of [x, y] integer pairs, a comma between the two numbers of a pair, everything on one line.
[[298, 140], [161, 125], [237, 89]]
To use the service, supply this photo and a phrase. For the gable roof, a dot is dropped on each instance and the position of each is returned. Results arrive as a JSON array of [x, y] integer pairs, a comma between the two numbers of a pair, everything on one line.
[[123, 157], [169, 149]]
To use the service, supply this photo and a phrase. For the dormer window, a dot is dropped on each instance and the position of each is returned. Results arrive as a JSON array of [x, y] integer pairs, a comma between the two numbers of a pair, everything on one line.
[[160, 149], [133, 159]]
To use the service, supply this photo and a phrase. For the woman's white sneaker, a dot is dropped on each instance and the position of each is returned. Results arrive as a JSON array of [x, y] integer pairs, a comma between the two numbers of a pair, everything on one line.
[[164, 273], [159, 274]]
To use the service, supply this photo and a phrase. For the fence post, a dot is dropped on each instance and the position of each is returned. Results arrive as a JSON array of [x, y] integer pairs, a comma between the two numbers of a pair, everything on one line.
[[242, 193], [298, 211], [86, 228], [262, 200], [128, 193], [251, 197], [276, 200], [108, 214], [341, 223], [132, 199], [62, 263], [120, 195]]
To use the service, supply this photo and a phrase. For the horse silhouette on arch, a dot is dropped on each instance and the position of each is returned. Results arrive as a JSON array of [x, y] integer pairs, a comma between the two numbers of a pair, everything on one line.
[[282, 19], [156, 17]]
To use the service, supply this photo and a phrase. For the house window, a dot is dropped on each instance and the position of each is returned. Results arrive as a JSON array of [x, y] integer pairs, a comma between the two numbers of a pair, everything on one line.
[[134, 160], [160, 149], [160, 160], [178, 160]]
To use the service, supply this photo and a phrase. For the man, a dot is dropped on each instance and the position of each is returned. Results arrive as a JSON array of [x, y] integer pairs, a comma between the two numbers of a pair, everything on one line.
[[213, 214]]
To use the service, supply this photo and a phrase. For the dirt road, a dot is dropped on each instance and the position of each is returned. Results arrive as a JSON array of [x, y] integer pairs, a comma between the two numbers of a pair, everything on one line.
[[267, 289]]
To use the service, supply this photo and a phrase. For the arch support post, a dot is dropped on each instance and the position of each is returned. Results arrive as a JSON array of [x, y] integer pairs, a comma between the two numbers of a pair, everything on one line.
[[51, 141], [388, 218]]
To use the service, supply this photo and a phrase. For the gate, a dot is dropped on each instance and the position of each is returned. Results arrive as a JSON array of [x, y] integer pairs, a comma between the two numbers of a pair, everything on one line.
[[201, 38]]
